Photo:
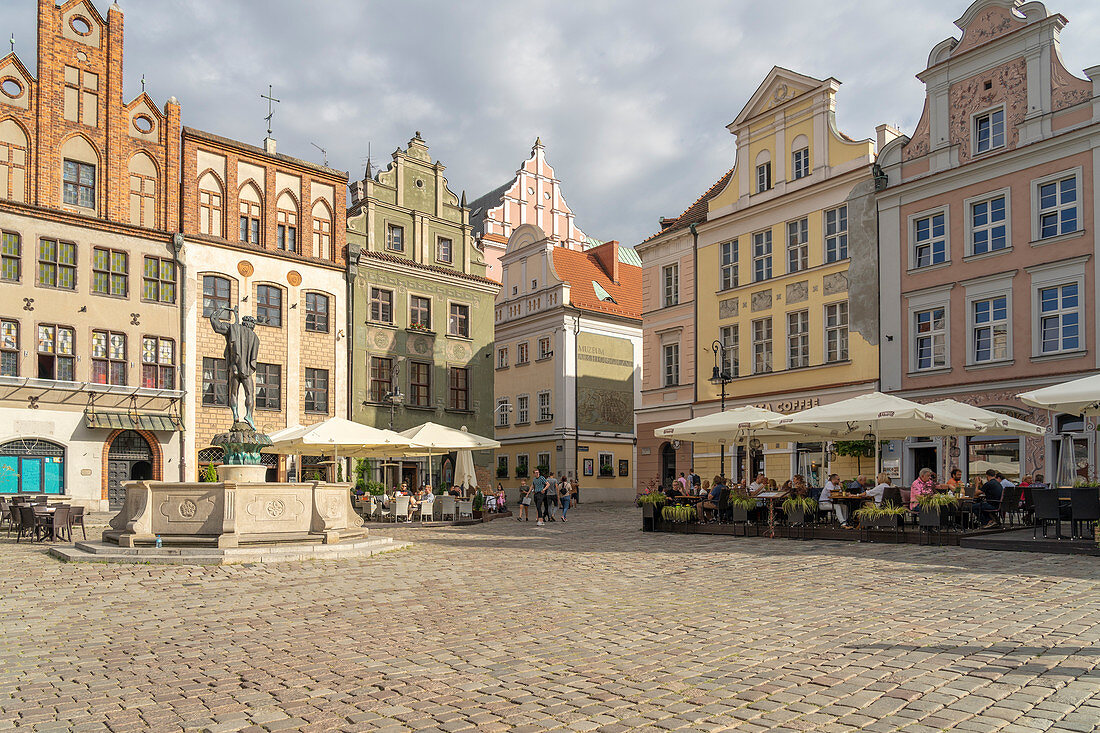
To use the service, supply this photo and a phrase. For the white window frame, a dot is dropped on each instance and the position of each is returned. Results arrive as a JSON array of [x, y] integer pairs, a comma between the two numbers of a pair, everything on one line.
[[764, 176], [837, 239], [439, 239], [728, 337], [939, 297], [976, 117], [548, 351], [798, 342], [502, 357], [546, 411], [968, 213], [913, 219], [1050, 275], [802, 171], [523, 353], [1036, 212], [765, 258], [841, 356], [728, 264], [986, 288], [523, 409], [469, 318], [766, 347], [798, 247], [431, 309], [390, 227], [503, 408], [670, 364], [670, 285]]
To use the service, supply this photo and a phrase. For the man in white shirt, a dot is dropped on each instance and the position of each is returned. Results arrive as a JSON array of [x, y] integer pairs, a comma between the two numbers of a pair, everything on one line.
[[1005, 482], [825, 502], [759, 484]]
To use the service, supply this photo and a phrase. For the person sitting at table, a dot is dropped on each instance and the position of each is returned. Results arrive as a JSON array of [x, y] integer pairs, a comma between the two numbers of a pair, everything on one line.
[[955, 482], [826, 500], [502, 498], [711, 500], [988, 500], [426, 502], [758, 484], [925, 483], [880, 487], [704, 488]]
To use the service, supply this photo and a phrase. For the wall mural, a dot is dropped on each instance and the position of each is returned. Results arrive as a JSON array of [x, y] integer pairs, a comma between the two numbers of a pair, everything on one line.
[[605, 390]]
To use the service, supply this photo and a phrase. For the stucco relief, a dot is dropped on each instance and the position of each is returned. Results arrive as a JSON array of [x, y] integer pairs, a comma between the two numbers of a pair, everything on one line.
[[995, 21], [798, 292], [761, 300], [1034, 457], [458, 351], [1066, 89], [727, 308], [966, 97], [382, 338], [835, 283], [918, 144]]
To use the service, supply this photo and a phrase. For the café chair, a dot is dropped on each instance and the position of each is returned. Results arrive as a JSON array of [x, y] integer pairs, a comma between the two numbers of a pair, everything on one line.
[[1047, 510], [1084, 510], [76, 516], [1010, 505], [401, 508]]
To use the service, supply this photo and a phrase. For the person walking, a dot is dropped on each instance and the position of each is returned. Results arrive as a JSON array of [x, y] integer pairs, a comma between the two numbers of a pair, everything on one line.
[[551, 497], [575, 482], [538, 485], [524, 502], [565, 490]]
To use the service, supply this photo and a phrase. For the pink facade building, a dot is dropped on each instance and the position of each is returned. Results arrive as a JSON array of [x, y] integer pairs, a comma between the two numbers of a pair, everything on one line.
[[987, 220], [532, 196]]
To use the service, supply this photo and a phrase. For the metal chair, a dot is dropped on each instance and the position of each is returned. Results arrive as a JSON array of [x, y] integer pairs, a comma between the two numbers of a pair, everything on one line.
[[1046, 511], [1084, 508]]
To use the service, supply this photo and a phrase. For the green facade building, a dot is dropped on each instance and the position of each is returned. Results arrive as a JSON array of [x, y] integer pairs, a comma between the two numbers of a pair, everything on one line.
[[421, 310]]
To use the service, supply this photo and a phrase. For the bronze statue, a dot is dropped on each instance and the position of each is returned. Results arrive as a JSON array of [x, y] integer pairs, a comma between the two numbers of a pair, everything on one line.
[[242, 346]]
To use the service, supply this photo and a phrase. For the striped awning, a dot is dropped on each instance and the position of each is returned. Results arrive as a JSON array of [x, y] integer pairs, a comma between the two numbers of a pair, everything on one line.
[[131, 420]]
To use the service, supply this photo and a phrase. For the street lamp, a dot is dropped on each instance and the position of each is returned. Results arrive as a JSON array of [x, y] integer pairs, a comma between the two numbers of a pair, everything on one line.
[[721, 376]]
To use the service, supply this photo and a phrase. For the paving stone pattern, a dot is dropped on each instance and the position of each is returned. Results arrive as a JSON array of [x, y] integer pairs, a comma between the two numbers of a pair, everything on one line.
[[591, 625]]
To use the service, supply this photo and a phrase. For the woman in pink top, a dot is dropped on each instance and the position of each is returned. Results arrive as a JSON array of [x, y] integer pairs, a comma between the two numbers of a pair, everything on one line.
[[925, 484]]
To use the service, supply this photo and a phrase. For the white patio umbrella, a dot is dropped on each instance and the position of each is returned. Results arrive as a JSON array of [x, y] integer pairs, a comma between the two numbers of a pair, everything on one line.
[[335, 436], [441, 439], [993, 423], [730, 427], [879, 415], [1077, 397], [464, 470]]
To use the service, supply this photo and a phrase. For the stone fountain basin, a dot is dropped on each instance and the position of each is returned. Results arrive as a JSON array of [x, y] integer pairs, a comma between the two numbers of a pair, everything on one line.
[[230, 514]]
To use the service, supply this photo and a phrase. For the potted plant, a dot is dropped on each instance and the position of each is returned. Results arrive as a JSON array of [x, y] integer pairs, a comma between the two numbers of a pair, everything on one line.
[[879, 516], [678, 514], [741, 504], [502, 472], [478, 505], [797, 508], [930, 509]]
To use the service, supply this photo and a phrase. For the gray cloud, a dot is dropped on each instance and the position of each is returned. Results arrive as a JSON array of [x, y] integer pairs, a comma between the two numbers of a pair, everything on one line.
[[631, 97]]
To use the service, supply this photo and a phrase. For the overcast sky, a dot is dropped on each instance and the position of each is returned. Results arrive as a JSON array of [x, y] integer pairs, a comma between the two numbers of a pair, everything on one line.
[[630, 97]]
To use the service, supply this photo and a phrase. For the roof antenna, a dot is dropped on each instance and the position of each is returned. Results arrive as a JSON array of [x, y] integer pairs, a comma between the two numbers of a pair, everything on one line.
[[324, 153]]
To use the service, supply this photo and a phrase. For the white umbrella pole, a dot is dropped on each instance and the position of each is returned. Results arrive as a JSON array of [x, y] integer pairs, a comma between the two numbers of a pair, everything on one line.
[[878, 458]]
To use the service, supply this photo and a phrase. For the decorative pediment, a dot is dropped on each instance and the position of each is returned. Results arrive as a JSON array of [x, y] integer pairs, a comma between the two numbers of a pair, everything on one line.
[[15, 82], [779, 86], [81, 22], [144, 118]]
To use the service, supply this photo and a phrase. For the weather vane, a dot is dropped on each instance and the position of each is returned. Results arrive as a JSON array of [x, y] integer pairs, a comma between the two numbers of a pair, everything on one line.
[[270, 110], [143, 83]]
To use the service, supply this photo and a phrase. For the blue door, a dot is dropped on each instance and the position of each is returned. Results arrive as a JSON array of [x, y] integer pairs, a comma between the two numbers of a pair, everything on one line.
[[31, 475], [51, 478], [9, 474]]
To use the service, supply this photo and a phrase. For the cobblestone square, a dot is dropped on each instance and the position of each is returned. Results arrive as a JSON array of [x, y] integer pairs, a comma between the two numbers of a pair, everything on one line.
[[590, 625]]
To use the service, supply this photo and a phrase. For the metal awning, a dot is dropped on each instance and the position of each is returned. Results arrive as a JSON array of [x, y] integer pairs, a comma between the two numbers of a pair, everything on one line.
[[134, 420]]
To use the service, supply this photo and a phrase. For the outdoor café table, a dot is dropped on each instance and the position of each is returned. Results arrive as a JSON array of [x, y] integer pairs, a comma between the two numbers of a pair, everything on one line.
[[46, 512], [771, 497]]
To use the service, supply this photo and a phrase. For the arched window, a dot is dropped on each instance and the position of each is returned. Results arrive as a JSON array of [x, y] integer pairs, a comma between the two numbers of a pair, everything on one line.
[[32, 466], [286, 221], [78, 173], [13, 161], [322, 231], [251, 207], [800, 157], [763, 171], [210, 205], [143, 191]]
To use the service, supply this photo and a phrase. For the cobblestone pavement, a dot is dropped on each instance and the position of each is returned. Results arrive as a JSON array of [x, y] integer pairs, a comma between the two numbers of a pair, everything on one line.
[[590, 625]]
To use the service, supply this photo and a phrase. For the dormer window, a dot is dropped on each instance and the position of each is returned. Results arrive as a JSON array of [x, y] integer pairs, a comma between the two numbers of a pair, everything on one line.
[[989, 131]]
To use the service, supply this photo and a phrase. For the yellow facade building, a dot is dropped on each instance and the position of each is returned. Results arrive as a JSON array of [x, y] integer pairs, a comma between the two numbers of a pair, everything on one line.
[[787, 311]]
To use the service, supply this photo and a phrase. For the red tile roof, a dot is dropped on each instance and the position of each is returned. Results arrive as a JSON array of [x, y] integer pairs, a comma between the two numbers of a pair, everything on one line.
[[581, 269], [697, 212]]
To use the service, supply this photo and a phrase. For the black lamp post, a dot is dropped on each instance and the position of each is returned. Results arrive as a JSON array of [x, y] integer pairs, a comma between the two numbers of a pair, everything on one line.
[[721, 376]]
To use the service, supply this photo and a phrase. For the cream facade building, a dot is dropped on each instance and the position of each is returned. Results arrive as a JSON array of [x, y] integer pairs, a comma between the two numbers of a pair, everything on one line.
[[568, 364], [787, 308]]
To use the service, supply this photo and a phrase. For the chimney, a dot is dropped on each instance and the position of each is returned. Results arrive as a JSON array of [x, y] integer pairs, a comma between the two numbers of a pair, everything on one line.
[[607, 254], [666, 221], [884, 134]]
